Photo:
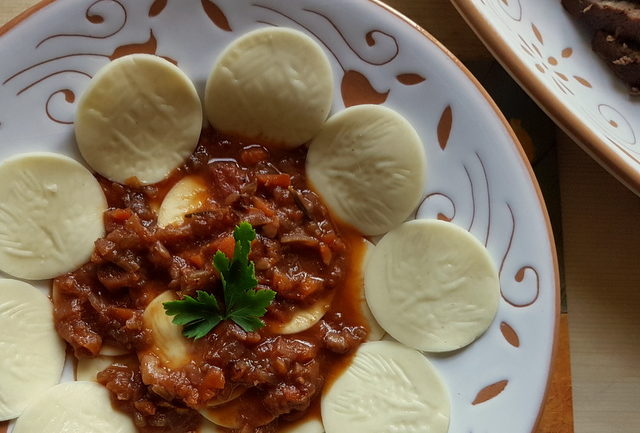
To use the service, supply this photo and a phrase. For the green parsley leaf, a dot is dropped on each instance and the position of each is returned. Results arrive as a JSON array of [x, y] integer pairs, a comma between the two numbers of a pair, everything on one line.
[[244, 305], [250, 307], [198, 316], [239, 275]]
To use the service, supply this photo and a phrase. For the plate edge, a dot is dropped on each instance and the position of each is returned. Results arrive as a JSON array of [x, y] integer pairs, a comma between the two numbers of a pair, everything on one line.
[[547, 101], [552, 246], [528, 168], [7, 27]]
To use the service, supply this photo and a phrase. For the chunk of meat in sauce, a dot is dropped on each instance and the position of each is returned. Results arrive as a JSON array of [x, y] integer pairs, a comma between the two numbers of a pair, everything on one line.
[[150, 412], [299, 252]]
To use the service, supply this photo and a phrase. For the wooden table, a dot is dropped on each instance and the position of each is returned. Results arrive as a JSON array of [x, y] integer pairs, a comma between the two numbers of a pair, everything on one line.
[[600, 230]]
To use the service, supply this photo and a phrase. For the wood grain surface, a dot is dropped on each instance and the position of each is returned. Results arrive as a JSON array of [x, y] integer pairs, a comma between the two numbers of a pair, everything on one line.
[[601, 229]]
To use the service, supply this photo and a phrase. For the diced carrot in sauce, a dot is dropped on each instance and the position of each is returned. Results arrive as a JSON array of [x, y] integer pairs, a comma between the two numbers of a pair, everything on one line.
[[296, 216], [263, 206], [195, 259], [272, 180], [123, 314], [281, 283], [309, 286], [253, 155], [254, 211], [328, 238], [227, 245], [213, 379], [145, 407], [295, 288], [299, 239], [325, 253], [121, 214]]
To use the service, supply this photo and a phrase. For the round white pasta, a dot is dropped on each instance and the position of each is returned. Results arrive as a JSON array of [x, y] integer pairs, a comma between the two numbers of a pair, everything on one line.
[[32, 353], [74, 407], [275, 84], [369, 166], [140, 117], [387, 387], [51, 213], [187, 196], [431, 285]]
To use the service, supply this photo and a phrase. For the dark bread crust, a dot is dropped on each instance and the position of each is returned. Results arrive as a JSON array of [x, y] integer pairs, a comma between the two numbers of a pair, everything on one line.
[[617, 34], [622, 57], [618, 17]]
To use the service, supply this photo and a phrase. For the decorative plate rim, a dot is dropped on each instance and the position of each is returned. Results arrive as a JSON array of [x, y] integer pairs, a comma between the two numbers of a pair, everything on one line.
[[17, 20], [577, 129]]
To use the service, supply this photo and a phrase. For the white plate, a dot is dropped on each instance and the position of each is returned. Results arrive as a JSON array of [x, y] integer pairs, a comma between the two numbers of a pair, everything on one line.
[[477, 174], [549, 53]]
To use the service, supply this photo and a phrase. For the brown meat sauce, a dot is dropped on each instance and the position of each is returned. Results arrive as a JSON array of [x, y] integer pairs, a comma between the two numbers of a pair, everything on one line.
[[300, 252]]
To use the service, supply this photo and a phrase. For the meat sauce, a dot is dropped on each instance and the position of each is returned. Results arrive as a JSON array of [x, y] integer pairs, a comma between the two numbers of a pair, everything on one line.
[[300, 252]]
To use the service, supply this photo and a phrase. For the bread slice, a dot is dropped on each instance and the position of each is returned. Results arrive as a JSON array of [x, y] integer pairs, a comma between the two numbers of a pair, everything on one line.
[[620, 18], [623, 57]]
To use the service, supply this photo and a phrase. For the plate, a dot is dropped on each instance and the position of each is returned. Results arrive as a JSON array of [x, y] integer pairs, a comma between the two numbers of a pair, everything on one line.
[[477, 178], [549, 53]]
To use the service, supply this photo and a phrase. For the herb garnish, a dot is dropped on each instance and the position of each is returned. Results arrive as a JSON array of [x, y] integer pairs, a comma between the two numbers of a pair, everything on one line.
[[243, 304]]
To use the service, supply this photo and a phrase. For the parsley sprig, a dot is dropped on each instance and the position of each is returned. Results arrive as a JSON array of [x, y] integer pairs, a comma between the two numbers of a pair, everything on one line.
[[243, 304]]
